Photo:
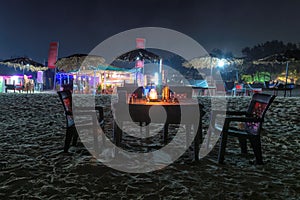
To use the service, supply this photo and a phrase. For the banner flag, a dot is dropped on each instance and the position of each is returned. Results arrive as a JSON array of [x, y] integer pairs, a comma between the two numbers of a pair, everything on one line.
[[140, 43], [52, 56]]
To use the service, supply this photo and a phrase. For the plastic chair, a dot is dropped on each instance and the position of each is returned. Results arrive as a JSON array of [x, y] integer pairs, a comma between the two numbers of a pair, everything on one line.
[[229, 86], [239, 89], [254, 88], [71, 132], [250, 126]]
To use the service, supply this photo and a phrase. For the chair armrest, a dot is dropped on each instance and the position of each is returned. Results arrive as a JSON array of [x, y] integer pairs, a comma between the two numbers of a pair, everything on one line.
[[230, 116], [229, 112], [236, 113], [243, 119], [99, 108], [221, 112], [239, 119], [69, 113]]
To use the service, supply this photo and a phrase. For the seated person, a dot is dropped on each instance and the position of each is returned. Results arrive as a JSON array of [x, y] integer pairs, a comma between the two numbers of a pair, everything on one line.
[[139, 92]]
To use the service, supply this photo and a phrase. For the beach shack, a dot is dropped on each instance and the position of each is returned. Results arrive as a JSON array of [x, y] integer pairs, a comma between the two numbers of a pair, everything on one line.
[[102, 79]]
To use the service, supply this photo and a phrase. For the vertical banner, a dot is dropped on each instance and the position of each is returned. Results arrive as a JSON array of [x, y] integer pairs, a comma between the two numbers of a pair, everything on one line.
[[40, 77], [52, 56], [140, 43]]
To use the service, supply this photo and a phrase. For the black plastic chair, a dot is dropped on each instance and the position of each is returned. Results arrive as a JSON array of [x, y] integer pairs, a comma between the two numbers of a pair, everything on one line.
[[229, 86], [71, 132], [250, 126]]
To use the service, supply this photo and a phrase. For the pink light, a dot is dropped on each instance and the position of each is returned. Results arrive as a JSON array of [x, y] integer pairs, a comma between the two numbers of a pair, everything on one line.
[[19, 76]]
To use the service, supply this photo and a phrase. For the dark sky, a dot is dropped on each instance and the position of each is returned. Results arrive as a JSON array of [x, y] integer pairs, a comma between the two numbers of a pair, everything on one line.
[[28, 26]]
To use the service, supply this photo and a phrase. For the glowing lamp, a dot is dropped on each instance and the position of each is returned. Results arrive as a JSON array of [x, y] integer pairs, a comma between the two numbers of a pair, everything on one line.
[[221, 63], [153, 95]]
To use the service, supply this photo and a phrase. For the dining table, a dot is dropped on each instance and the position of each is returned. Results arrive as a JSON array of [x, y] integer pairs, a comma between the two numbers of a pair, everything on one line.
[[203, 91], [187, 112]]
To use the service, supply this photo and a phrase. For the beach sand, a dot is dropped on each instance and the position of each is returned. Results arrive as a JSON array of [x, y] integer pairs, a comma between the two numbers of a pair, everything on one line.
[[32, 165]]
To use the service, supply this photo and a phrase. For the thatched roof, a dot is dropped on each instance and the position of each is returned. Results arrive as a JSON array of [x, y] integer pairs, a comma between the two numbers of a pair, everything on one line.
[[208, 61], [11, 71], [138, 54], [24, 63], [290, 56], [76, 61]]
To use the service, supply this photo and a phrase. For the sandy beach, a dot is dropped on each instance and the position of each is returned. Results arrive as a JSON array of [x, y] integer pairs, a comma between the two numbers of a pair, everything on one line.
[[33, 166]]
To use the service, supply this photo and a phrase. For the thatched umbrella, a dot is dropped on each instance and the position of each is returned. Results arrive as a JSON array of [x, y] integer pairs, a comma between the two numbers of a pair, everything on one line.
[[79, 61], [142, 55], [210, 62], [24, 63], [282, 58], [272, 59], [11, 71], [138, 54], [207, 62]]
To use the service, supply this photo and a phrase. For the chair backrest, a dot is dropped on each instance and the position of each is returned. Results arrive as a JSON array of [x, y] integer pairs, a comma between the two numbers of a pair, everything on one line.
[[139, 92], [229, 85], [66, 100], [258, 107], [240, 88], [290, 86]]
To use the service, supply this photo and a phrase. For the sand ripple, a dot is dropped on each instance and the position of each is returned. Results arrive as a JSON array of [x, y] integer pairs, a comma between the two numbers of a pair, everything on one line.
[[32, 165]]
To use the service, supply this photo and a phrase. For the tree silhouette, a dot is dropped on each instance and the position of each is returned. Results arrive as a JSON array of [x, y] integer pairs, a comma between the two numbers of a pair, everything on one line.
[[266, 49], [276, 50]]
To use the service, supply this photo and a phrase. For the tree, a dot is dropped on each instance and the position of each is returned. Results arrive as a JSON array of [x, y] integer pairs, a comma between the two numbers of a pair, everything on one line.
[[266, 49], [272, 49], [221, 54]]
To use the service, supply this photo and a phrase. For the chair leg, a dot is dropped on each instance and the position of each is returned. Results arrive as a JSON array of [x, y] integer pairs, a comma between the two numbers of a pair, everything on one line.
[[243, 145], [75, 138], [147, 130], [117, 133], [103, 135], [256, 145], [141, 127], [166, 127], [187, 136], [74, 135], [68, 139], [222, 147]]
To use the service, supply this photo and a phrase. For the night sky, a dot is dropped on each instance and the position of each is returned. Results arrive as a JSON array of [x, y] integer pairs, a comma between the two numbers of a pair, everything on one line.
[[28, 26]]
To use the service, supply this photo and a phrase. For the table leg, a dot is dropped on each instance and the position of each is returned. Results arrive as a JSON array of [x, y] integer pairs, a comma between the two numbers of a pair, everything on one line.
[[95, 132], [147, 130], [166, 126], [117, 132], [198, 139], [187, 136]]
